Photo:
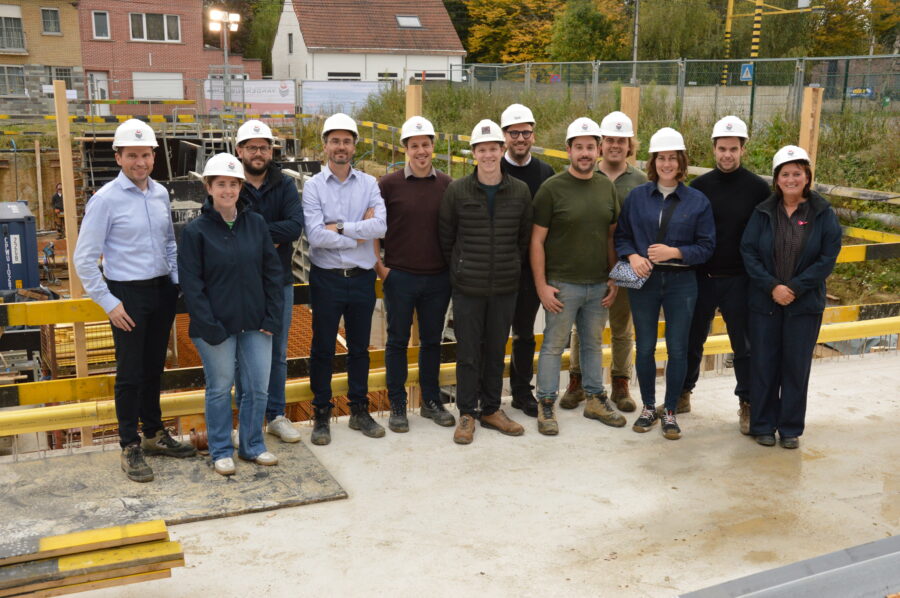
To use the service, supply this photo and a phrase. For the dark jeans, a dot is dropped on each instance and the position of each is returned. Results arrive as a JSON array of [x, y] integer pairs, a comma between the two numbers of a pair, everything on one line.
[[428, 295], [521, 365], [729, 294], [780, 364], [331, 297], [676, 293], [482, 326], [141, 354]]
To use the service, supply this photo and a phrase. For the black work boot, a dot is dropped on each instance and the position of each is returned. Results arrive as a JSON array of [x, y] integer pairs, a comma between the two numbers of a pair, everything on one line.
[[321, 434], [437, 413], [133, 464], [361, 420], [398, 421], [162, 443], [527, 403]]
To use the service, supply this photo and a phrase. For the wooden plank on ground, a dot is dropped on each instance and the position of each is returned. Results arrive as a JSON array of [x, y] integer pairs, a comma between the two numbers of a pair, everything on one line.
[[52, 587], [105, 583], [31, 549]]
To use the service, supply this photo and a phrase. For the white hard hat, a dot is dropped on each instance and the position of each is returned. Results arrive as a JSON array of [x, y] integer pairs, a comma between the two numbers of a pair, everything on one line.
[[253, 129], [224, 165], [730, 126], [486, 130], [132, 133], [583, 126], [616, 124], [666, 139], [516, 114], [417, 125], [789, 153], [339, 122]]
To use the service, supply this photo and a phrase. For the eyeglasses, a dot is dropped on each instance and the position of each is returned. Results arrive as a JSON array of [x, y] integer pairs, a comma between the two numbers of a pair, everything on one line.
[[524, 134], [257, 149]]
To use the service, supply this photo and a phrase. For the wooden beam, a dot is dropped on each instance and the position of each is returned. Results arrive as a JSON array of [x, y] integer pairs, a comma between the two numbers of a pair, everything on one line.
[[631, 106], [810, 115], [40, 183], [413, 100]]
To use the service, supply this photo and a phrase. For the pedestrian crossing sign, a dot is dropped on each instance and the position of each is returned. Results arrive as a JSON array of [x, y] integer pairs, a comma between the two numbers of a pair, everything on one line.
[[747, 72]]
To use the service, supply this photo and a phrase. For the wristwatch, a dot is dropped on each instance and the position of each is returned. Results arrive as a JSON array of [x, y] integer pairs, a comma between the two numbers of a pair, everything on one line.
[[340, 227]]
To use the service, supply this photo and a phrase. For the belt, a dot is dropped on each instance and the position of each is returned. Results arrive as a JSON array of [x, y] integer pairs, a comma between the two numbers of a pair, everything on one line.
[[347, 272], [150, 282]]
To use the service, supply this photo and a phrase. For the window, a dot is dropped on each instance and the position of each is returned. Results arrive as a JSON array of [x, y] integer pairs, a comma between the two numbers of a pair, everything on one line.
[[62, 73], [101, 24], [435, 75], [409, 21], [387, 76], [12, 80], [50, 21], [11, 36], [153, 27], [334, 76], [290, 43]]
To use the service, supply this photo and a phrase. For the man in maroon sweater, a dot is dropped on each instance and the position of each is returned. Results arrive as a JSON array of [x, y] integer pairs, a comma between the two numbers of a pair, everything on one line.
[[414, 273]]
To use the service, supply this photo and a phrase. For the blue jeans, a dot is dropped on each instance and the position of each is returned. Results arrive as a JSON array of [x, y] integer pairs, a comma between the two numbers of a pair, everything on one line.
[[253, 351], [331, 297], [582, 306], [676, 293], [428, 295]]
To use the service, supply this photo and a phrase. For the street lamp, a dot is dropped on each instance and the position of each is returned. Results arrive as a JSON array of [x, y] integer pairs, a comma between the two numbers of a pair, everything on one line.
[[223, 21]]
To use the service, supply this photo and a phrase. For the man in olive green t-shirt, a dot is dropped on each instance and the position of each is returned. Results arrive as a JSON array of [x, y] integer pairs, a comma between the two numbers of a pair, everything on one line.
[[575, 213]]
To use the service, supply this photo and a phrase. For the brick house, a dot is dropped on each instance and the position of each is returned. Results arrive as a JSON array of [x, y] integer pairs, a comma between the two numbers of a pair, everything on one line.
[[366, 40], [148, 51], [39, 42]]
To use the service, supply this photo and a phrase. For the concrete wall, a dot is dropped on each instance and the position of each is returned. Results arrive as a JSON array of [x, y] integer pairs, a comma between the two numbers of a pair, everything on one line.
[[370, 65]]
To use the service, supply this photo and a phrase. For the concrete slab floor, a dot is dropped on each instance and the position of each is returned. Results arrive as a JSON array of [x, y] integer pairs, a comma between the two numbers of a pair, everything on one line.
[[595, 511]]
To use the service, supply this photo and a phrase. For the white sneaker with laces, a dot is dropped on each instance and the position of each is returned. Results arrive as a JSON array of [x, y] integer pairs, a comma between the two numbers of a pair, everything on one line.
[[224, 466], [266, 458], [283, 429]]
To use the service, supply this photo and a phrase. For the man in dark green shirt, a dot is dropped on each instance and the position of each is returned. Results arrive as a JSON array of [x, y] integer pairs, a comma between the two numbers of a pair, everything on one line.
[[575, 213]]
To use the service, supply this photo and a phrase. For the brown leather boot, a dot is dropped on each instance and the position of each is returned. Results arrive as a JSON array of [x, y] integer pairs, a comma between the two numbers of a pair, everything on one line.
[[546, 418], [683, 405], [500, 421], [598, 407], [744, 414], [465, 429], [574, 393], [621, 396]]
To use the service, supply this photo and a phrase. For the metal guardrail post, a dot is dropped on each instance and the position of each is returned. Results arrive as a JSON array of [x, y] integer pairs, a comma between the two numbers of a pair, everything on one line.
[[595, 83], [527, 77], [679, 98]]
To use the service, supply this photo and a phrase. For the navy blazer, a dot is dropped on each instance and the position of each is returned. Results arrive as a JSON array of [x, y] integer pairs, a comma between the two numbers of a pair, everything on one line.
[[692, 228], [817, 257]]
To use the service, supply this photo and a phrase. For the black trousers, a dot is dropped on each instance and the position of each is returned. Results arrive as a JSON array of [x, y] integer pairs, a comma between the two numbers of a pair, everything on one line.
[[729, 295], [141, 354], [521, 367], [482, 326]]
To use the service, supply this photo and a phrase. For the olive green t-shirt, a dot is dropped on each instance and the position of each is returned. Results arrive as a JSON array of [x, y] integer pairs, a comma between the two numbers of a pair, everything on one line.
[[628, 180], [578, 214]]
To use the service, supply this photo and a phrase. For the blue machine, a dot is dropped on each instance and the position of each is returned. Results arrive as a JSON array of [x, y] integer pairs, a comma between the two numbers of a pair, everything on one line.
[[18, 254]]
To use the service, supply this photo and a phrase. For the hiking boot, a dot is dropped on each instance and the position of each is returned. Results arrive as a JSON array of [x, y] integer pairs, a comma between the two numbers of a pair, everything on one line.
[[163, 444], [789, 442], [574, 393], [321, 434], [499, 421], [766, 440], [547, 424], [361, 420], [526, 403], [744, 414], [646, 420], [465, 431], [283, 429], [437, 413], [133, 464], [600, 408], [621, 395], [683, 405], [670, 427], [398, 422]]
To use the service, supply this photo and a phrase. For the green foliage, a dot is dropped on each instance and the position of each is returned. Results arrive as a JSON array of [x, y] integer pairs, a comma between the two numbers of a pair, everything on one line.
[[459, 16], [585, 32], [679, 29], [841, 29], [510, 30], [261, 28]]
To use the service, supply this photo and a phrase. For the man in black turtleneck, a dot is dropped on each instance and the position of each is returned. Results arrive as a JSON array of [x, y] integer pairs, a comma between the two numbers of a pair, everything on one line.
[[733, 192], [517, 123]]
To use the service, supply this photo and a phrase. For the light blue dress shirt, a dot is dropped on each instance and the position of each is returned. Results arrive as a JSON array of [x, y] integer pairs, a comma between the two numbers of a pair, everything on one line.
[[132, 230], [328, 200]]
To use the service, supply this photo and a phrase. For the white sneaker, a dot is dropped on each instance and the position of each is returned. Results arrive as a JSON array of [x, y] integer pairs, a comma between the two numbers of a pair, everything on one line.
[[284, 429], [235, 439], [266, 458], [224, 466]]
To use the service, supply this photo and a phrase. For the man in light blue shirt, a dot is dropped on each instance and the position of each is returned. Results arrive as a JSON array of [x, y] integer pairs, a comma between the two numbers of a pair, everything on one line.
[[129, 223], [343, 213]]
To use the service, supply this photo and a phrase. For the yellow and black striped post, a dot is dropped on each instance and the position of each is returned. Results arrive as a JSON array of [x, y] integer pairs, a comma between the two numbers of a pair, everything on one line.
[[757, 31], [729, 16]]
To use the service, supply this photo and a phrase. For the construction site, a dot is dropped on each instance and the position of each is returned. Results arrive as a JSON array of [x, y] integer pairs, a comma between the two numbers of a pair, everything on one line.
[[594, 512]]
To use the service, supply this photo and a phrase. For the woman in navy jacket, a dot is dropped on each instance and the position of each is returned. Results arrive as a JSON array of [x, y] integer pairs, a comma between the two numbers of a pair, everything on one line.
[[789, 247], [667, 260], [232, 282]]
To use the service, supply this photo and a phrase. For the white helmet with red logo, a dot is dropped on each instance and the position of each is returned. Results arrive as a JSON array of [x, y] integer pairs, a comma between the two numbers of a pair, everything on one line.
[[224, 165], [616, 124], [730, 126], [417, 125], [253, 129], [134, 133], [789, 153], [583, 126]]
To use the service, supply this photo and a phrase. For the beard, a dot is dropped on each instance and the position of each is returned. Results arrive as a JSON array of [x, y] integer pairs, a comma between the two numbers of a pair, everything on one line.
[[248, 167]]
